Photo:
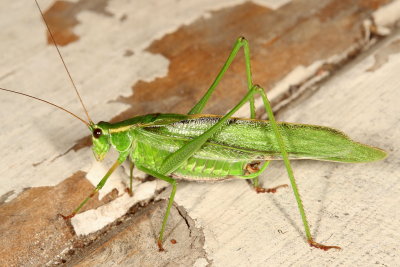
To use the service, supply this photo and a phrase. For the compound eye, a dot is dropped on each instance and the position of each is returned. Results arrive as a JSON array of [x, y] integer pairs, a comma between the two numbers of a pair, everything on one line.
[[97, 133]]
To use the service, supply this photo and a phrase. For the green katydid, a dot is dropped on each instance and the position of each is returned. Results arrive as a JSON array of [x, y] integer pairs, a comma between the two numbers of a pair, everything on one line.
[[197, 146]]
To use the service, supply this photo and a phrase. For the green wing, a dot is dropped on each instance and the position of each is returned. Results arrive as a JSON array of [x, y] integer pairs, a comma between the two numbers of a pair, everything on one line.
[[256, 138]]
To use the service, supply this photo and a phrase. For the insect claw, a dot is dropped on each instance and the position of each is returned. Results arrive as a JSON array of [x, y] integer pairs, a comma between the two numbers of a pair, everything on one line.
[[314, 244], [66, 217], [160, 246], [269, 190], [129, 191]]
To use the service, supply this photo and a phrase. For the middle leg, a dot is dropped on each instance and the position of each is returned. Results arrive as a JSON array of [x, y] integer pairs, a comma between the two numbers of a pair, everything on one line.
[[170, 202], [253, 172]]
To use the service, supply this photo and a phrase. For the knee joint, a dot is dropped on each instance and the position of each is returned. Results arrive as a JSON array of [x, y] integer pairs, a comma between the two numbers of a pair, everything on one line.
[[258, 88], [242, 40]]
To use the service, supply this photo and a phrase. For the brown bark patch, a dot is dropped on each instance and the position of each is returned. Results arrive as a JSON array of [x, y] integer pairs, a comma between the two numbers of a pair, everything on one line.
[[61, 18], [298, 33], [31, 231]]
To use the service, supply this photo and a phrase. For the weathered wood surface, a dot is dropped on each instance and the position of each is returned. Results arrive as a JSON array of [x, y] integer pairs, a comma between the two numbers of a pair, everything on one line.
[[141, 57]]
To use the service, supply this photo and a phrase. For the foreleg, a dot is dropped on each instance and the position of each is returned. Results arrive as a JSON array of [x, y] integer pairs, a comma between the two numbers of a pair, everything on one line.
[[98, 187]]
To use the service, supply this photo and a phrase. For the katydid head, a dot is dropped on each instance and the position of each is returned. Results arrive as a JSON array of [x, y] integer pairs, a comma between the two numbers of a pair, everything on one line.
[[100, 139]]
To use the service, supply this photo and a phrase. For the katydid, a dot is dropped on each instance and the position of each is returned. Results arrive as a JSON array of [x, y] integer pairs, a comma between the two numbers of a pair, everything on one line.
[[198, 146]]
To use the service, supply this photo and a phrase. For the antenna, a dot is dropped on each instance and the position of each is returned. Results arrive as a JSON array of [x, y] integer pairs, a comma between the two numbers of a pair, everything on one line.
[[65, 66], [45, 101]]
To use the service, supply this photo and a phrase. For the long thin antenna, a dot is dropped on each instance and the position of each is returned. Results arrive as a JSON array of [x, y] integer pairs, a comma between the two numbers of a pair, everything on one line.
[[39, 99], [62, 59]]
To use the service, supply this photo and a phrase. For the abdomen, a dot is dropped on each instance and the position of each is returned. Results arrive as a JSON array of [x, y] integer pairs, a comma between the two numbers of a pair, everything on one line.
[[210, 163]]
